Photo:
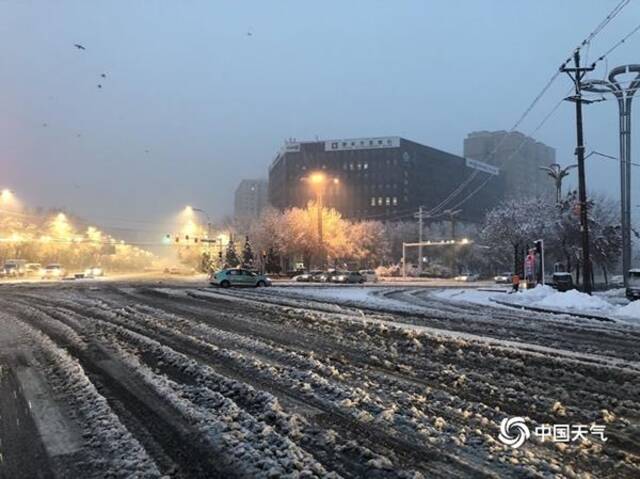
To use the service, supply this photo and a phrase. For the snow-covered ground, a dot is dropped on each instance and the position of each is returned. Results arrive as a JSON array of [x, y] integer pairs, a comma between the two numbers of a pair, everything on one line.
[[164, 380]]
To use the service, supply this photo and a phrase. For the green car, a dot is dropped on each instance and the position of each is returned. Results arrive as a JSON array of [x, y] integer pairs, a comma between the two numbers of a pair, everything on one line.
[[238, 277]]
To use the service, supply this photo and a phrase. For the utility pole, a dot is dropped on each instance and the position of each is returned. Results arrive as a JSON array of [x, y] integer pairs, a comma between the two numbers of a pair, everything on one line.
[[577, 74], [420, 239], [320, 236]]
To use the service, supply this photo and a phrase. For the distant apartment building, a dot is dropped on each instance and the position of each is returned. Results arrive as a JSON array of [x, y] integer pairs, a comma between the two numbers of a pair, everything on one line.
[[250, 198], [519, 158], [383, 178]]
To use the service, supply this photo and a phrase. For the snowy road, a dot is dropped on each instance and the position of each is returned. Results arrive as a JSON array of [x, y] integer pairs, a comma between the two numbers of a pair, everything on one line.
[[117, 379]]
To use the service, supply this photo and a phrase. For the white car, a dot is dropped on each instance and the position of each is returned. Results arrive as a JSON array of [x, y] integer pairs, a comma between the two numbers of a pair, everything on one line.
[[369, 275], [466, 277], [53, 271], [503, 278]]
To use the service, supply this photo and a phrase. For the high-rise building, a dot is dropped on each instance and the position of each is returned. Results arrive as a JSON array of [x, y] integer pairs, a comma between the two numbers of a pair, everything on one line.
[[250, 198], [518, 156], [383, 178]]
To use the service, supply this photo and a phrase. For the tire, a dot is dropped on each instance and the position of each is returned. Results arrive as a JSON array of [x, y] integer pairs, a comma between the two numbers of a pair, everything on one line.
[[260, 284], [225, 284]]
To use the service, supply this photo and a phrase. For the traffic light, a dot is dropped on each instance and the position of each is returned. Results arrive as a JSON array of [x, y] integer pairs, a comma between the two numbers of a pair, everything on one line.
[[538, 246]]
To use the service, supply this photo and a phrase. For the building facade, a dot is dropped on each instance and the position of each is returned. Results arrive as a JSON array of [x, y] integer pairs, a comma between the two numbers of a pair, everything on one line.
[[383, 178], [518, 156], [250, 198]]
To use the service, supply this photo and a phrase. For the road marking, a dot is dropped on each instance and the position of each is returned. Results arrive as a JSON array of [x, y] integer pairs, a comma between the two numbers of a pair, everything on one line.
[[57, 434]]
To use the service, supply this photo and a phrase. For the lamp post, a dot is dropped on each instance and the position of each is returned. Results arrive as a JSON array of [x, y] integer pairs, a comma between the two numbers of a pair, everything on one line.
[[624, 97], [200, 210], [319, 182]]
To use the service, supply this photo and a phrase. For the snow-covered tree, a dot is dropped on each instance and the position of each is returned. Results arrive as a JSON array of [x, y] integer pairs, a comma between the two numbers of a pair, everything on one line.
[[231, 257], [513, 225], [247, 254]]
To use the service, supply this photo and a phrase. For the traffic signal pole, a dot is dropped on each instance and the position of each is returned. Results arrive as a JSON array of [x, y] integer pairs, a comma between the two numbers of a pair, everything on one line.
[[577, 74]]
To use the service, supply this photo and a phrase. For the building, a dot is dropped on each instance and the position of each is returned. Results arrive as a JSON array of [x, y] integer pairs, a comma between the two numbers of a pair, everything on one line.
[[250, 198], [518, 156], [384, 178]]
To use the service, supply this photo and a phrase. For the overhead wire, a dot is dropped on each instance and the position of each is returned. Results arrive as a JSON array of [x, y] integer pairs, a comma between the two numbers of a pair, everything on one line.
[[587, 41]]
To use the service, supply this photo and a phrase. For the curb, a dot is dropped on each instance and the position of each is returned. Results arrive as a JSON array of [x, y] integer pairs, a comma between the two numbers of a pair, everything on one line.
[[551, 311]]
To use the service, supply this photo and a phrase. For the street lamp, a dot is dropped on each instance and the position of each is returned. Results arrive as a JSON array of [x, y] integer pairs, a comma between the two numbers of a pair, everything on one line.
[[624, 97], [558, 173], [319, 181]]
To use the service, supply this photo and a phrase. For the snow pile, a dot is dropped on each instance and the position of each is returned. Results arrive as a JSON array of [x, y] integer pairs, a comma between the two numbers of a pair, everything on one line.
[[572, 301], [575, 300], [630, 311], [534, 295]]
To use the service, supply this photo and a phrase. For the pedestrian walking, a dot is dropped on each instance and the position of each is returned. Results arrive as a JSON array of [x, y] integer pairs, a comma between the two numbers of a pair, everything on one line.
[[515, 282]]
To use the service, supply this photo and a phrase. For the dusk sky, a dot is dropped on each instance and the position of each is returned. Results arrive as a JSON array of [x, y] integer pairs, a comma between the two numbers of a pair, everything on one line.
[[192, 103]]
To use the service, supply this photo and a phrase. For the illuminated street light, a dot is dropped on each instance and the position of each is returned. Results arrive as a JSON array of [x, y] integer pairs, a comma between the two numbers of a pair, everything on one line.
[[6, 195], [319, 181]]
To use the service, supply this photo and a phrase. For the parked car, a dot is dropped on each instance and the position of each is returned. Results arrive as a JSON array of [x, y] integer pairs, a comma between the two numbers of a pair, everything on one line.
[[503, 278], [328, 276], [369, 275], [53, 271], [14, 268], [238, 277], [633, 290], [94, 272], [307, 277], [563, 281], [617, 280], [34, 269], [317, 276], [467, 277], [295, 272], [351, 277]]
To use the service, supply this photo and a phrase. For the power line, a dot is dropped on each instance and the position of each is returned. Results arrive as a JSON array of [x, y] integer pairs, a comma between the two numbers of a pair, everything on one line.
[[444, 203], [616, 45]]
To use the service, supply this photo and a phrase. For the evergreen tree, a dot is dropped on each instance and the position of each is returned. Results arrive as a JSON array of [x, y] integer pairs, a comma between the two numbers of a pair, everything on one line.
[[231, 257], [247, 254], [272, 262]]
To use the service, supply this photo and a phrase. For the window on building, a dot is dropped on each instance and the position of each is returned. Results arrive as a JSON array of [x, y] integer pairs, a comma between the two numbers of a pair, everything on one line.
[[365, 165], [373, 201], [334, 146], [379, 200], [379, 142], [387, 201], [395, 201], [359, 165]]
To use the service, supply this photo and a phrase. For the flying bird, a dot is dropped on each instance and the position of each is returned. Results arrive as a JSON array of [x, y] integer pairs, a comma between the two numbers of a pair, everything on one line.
[[103, 75], [249, 34], [78, 46], [99, 85]]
